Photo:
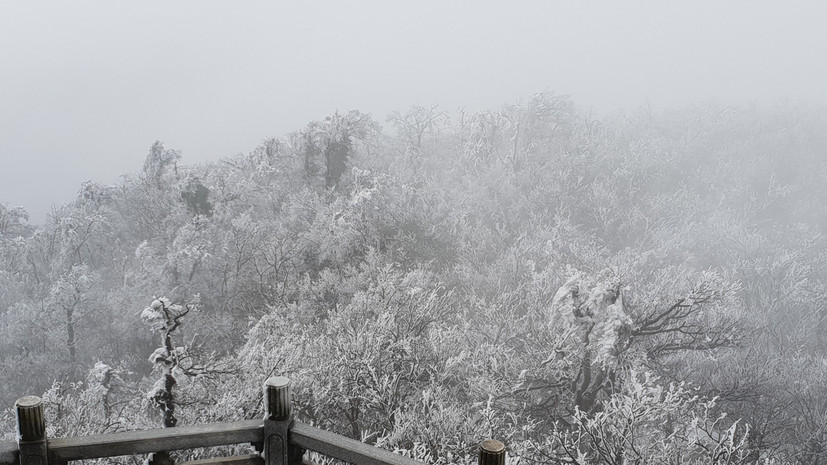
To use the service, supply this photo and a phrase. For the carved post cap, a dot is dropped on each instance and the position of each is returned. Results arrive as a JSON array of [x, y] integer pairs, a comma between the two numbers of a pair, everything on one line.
[[492, 452], [277, 398], [31, 425]]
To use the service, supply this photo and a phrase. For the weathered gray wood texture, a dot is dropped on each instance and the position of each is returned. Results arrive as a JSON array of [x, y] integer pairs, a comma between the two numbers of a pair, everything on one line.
[[31, 431], [240, 460], [216, 434], [277, 421], [154, 440], [492, 452], [277, 398], [342, 448]]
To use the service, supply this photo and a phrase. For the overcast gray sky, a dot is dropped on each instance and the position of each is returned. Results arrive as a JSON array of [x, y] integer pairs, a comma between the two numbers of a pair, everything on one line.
[[86, 87]]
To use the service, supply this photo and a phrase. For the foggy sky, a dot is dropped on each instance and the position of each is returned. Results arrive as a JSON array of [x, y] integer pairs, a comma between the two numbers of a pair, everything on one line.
[[86, 87]]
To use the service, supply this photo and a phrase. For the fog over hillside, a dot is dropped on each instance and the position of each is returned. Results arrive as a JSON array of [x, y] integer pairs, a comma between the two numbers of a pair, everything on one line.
[[597, 234], [87, 86]]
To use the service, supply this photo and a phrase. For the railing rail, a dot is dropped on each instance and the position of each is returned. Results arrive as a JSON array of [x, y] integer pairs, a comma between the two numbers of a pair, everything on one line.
[[282, 440], [343, 448], [156, 440]]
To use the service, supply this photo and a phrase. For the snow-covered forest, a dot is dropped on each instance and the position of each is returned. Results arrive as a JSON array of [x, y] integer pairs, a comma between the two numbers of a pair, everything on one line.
[[647, 287]]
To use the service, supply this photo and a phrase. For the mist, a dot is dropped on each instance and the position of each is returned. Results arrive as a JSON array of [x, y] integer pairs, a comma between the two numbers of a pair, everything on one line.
[[87, 87], [593, 232]]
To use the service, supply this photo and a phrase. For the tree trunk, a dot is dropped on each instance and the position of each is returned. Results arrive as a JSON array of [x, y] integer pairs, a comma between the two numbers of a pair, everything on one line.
[[70, 334]]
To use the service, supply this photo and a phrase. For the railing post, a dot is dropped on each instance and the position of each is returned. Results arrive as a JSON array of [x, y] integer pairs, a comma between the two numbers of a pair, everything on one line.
[[31, 431], [492, 452], [159, 458], [278, 419]]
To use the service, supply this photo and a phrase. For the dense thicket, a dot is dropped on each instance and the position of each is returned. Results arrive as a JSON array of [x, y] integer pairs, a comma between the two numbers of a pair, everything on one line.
[[646, 288]]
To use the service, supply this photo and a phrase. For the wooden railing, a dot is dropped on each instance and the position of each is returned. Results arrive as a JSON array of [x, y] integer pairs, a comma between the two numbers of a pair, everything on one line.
[[278, 438]]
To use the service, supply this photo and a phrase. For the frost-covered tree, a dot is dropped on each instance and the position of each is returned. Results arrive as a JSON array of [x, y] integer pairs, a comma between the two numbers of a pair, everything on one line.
[[594, 315], [159, 163], [72, 298], [12, 220], [328, 145], [166, 318], [418, 121], [175, 364], [647, 422]]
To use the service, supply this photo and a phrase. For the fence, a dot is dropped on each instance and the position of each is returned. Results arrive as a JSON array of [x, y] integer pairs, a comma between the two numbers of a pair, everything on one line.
[[278, 438]]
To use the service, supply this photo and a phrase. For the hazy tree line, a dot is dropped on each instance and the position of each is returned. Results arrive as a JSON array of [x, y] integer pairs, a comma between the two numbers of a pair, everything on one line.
[[644, 288]]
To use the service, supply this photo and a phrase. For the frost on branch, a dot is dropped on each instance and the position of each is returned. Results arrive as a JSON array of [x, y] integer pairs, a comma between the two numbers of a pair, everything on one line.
[[176, 364], [646, 421], [595, 308], [592, 311], [165, 317]]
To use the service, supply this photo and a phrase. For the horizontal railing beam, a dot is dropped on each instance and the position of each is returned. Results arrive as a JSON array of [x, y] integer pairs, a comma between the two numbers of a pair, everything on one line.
[[155, 440], [215, 434], [240, 460], [343, 448]]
